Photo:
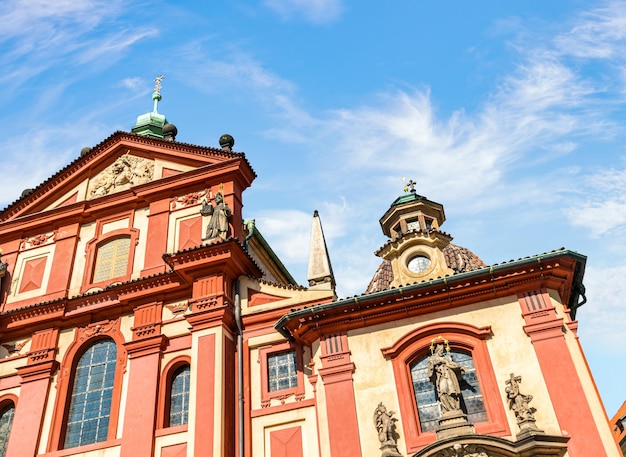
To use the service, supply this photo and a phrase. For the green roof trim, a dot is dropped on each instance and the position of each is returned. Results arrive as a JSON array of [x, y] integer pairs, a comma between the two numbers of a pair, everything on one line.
[[406, 198], [577, 288]]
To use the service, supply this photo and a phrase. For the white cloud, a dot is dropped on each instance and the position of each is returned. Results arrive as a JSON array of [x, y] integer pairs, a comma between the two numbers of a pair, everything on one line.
[[44, 34], [314, 11], [599, 33], [601, 208], [604, 314]]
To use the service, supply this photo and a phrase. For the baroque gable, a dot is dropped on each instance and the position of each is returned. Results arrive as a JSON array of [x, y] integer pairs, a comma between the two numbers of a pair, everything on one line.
[[121, 162]]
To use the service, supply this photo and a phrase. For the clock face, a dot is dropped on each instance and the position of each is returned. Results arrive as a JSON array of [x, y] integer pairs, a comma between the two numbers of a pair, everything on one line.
[[418, 263]]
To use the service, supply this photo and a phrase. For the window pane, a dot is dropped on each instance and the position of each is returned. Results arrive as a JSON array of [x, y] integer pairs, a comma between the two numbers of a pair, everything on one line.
[[112, 259], [6, 419], [282, 371], [90, 400], [179, 396], [426, 398]]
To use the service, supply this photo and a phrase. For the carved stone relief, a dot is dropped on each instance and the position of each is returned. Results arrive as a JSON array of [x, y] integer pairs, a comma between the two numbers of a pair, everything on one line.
[[519, 404], [127, 171], [464, 450], [37, 240], [189, 199]]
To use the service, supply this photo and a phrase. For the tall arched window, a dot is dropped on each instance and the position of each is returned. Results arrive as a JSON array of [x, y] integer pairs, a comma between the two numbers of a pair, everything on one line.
[[179, 397], [6, 419], [90, 400], [426, 398], [419, 406]]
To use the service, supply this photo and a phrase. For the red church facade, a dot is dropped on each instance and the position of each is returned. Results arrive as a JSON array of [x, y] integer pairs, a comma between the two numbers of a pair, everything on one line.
[[143, 316]]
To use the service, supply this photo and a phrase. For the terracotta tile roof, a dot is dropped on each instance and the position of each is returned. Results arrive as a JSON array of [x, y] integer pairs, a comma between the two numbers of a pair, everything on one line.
[[458, 258]]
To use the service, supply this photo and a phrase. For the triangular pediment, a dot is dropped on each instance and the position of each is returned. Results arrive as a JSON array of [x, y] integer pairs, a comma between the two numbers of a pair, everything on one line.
[[121, 162]]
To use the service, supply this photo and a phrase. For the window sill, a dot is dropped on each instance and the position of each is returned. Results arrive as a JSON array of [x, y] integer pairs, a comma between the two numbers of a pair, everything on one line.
[[170, 430], [83, 449]]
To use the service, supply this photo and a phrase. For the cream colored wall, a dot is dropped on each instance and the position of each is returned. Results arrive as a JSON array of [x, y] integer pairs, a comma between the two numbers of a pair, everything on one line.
[[140, 223], [168, 440], [86, 233], [174, 225], [46, 251], [374, 380], [159, 164], [267, 275], [264, 425], [254, 344], [291, 297], [80, 190]]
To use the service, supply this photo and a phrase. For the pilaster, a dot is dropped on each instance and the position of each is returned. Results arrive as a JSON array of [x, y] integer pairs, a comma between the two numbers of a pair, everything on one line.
[[144, 353], [569, 400], [336, 375], [64, 253], [158, 221], [35, 385]]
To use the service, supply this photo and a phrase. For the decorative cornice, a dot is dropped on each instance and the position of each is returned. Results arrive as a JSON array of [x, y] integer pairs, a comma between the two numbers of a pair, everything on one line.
[[551, 272], [128, 139]]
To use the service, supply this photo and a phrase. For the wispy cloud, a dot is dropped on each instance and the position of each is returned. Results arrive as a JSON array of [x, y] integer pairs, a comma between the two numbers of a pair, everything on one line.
[[599, 33], [314, 11], [601, 208], [42, 34], [604, 315]]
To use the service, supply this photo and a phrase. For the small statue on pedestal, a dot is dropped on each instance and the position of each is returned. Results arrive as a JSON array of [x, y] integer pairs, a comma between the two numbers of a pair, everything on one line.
[[385, 425], [219, 215]]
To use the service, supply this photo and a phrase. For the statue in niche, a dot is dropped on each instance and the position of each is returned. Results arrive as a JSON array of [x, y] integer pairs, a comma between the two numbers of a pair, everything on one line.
[[519, 403], [446, 375], [385, 425], [218, 217]]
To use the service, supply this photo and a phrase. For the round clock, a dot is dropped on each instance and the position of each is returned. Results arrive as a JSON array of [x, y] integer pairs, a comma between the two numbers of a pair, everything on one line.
[[418, 263]]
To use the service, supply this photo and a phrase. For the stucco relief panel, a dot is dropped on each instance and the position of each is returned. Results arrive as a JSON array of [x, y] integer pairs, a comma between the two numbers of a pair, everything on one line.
[[127, 171]]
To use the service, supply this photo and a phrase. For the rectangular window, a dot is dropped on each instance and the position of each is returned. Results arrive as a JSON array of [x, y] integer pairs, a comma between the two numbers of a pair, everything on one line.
[[112, 259], [282, 371]]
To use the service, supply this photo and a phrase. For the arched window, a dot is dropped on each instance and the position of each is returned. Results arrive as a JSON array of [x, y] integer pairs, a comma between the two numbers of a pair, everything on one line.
[[111, 259], [6, 419], [419, 406], [426, 398], [90, 399], [179, 396]]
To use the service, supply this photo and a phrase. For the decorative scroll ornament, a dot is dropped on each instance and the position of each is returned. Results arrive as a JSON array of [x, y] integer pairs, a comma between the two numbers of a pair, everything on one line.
[[178, 308], [127, 171], [37, 240], [385, 425], [187, 200], [99, 328], [13, 349], [464, 450]]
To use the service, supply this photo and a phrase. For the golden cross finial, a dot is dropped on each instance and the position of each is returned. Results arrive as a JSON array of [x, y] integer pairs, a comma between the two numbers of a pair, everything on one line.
[[157, 86]]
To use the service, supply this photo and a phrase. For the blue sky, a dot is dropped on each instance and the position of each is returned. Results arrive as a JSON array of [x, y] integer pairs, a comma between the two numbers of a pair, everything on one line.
[[511, 114]]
